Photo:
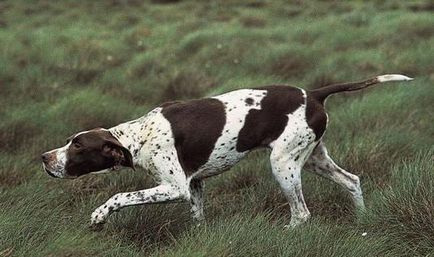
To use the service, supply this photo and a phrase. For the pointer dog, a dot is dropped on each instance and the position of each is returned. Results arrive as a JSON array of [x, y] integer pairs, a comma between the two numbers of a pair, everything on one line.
[[182, 143]]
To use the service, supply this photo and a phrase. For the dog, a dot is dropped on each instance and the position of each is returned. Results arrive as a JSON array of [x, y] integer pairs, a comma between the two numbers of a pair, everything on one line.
[[181, 143]]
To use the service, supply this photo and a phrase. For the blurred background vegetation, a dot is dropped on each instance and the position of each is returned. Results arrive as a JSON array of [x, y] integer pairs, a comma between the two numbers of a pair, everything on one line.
[[67, 66]]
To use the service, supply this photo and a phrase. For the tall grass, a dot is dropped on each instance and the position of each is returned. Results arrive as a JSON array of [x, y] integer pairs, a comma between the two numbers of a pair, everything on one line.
[[67, 66]]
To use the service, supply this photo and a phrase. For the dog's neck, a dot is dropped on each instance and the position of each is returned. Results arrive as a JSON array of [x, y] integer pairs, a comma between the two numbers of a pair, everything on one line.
[[130, 135]]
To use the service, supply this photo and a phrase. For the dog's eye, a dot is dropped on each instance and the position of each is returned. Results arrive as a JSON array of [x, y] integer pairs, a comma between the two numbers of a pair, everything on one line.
[[76, 145]]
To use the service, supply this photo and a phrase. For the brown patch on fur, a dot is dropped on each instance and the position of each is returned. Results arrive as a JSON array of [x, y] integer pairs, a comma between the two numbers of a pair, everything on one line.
[[249, 101], [94, 151], [265, 125], [196, 125], [316, 116], [321, 94]]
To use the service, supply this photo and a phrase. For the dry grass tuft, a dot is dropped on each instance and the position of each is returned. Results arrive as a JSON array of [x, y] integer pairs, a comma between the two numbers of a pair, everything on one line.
[[290, 66], [253, 22], [187, 85]]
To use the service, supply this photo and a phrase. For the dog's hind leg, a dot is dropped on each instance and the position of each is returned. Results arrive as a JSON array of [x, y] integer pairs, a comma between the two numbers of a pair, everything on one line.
[[286, 167], [196, 199], [320, 163]]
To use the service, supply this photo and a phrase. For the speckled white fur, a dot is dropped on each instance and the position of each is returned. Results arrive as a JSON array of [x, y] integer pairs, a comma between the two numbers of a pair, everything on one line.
[[151, 143], [288, 155], [224, 155], [320, 163]]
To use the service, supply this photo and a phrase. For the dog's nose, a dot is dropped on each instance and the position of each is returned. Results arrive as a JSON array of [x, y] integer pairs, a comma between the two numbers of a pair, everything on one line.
[[45, 157]]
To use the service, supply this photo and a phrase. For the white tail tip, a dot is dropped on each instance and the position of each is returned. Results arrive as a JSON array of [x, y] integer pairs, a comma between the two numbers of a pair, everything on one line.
[[393, 77]]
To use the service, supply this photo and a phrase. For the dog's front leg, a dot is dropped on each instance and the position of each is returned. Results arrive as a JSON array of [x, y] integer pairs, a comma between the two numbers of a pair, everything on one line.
[[159, 194]]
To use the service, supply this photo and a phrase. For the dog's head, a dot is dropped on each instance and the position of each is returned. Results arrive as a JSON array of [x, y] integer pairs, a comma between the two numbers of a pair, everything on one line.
[[85, 152]]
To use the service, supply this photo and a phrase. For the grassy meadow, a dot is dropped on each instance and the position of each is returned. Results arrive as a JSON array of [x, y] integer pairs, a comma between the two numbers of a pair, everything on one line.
[[67, 66]]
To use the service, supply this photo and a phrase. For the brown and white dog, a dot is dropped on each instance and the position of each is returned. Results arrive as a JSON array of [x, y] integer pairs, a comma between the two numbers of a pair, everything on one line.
[[182, 143]]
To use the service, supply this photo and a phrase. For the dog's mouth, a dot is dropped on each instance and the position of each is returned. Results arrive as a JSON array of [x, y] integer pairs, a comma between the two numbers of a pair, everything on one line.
[[57, 174], [48, 171]]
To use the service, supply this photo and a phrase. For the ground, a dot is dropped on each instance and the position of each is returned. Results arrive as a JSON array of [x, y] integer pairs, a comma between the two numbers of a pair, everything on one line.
[[67, 66]]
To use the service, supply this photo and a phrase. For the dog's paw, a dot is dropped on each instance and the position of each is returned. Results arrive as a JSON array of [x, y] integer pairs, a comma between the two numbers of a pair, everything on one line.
[[297, 221], [98, 218], [291, 226]]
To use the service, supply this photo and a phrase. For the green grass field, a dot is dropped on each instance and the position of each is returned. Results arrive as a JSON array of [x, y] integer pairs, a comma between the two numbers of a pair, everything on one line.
[[67, 66]]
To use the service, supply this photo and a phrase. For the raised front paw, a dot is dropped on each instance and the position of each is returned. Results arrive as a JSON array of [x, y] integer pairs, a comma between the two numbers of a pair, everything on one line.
[[98, 218]]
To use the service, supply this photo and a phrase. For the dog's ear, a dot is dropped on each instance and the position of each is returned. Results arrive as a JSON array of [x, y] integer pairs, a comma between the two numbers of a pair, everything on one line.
[[120, 154]]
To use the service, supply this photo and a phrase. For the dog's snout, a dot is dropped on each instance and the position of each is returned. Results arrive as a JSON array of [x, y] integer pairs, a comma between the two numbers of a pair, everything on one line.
[[49, 160], [46, 157]]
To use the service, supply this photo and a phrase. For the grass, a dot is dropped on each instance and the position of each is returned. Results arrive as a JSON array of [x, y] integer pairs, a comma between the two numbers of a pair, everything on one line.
[[67, 66]]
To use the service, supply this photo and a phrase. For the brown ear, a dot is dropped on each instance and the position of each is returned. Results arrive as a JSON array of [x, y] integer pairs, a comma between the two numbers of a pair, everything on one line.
[[120, 154]]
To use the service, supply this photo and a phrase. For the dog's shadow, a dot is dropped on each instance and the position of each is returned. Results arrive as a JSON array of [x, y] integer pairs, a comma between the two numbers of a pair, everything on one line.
[[151, 226]]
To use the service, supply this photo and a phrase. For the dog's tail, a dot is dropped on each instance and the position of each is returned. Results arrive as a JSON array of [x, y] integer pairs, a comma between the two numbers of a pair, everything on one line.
[[322, 93]]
